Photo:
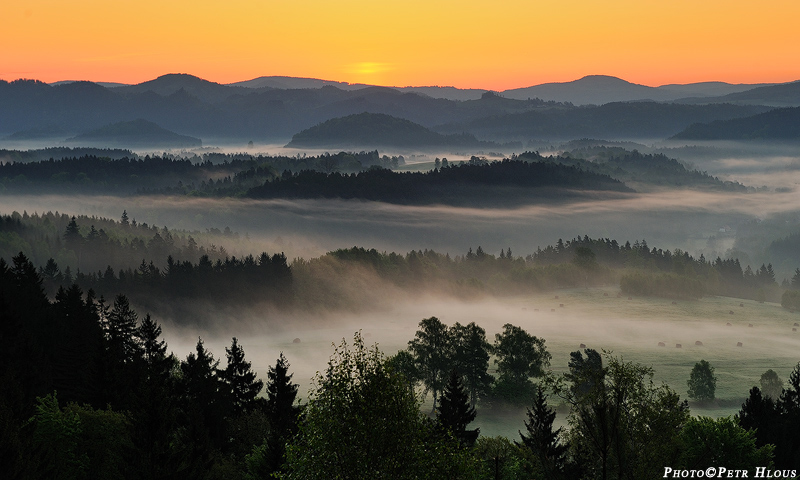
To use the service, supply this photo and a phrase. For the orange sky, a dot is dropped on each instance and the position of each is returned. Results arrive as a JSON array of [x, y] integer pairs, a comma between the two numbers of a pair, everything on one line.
[[465, 43]]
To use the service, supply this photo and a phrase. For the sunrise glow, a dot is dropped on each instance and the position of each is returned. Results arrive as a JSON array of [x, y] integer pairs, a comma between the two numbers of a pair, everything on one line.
[[468, 43]]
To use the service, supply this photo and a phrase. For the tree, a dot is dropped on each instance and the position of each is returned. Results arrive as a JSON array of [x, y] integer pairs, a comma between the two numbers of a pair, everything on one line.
[[403, 363], [520, 356], [282, 415], [711, 443], [542, 441], [796, 279], [771, 384], [431, 351], [362, 422], [240, 379], [471, 358], [623, 426], [121, 331], [455, 412], [702, 382], [204, 407], [154, 350], [281, 396]]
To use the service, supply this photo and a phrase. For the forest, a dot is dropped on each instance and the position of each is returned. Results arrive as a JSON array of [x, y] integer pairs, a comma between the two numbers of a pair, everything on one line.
[[363, 175], [90, 392]]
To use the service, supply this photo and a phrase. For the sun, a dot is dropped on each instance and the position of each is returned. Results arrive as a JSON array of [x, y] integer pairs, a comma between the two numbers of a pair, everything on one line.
[[372, 73]]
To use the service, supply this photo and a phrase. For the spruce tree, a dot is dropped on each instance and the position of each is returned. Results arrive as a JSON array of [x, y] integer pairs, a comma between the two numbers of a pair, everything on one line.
[[282, 414], [281, 395], [455, 412], [542, 440], [148, 334], [121, 330], [240, 379]]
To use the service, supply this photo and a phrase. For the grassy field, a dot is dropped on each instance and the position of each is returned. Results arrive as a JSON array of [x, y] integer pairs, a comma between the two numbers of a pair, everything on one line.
[[632, 328], [597, 317]]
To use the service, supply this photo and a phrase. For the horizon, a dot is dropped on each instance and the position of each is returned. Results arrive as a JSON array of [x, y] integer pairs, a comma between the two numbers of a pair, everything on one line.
[[470, 44], [392, 86]]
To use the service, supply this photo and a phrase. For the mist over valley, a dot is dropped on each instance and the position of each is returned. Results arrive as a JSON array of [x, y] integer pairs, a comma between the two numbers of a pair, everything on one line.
[[603, 227]]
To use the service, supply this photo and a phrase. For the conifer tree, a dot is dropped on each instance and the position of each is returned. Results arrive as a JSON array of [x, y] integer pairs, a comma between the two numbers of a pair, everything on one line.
[[121, 331], [240, 379], [283, 417], [455, 412], [281, 396], [148, 334], [542, 440]]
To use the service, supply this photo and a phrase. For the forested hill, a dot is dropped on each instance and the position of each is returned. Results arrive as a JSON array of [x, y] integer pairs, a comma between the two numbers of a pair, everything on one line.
[[778, 124], [135, 133], [638, 170], [473, 182], [377, 129]]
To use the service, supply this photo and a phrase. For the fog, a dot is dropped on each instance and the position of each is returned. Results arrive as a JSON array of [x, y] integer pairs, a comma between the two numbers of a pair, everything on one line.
[[700, 222], [628, 328], [667, 219]]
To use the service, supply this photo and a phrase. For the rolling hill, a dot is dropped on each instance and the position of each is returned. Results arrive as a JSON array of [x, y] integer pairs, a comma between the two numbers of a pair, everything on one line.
[[366, 130], [778, 124], [135, 133]]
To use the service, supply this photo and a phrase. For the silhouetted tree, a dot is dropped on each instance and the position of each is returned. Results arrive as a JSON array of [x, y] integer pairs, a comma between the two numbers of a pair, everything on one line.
[[431, 350], [702, 382], [455, 412], [542, 441], [241, 380]]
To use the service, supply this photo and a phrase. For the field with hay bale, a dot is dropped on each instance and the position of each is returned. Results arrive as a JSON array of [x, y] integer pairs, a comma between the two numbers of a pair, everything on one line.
[[595, 318]]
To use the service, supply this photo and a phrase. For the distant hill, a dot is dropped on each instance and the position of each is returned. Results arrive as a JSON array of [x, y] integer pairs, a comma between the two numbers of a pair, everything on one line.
[[135, 133], [238, 114], [473, 183], [640, 171], [449, 93], [172, 83], [102, 84], [593, 89], [366, 130], [778, 124], [289, 83], [602, 89], [783, 95], [45, 131], [619, 120]]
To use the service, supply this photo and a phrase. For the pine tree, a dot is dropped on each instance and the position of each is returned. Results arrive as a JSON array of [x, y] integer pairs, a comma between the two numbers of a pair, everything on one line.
[[455, 412], [281, 395], [240, 379], [542, 440], [121, 331], [283, 419]]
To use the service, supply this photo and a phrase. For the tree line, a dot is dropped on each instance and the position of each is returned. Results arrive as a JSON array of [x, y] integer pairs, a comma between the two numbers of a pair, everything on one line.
[[150, 262], [454, 184], [91, 392]]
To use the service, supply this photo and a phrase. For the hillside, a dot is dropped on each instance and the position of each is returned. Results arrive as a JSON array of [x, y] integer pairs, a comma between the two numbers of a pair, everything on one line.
[[621, 120], [779, 124], [366, 130], [782, 95], [135, 133], [477, 182], [602, 89]]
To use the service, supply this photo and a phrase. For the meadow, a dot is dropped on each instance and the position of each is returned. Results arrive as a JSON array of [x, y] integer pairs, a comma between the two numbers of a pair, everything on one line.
[[628, 327]]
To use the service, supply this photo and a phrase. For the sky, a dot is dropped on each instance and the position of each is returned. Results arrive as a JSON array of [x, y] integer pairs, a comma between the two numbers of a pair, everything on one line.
[[467, 43]]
